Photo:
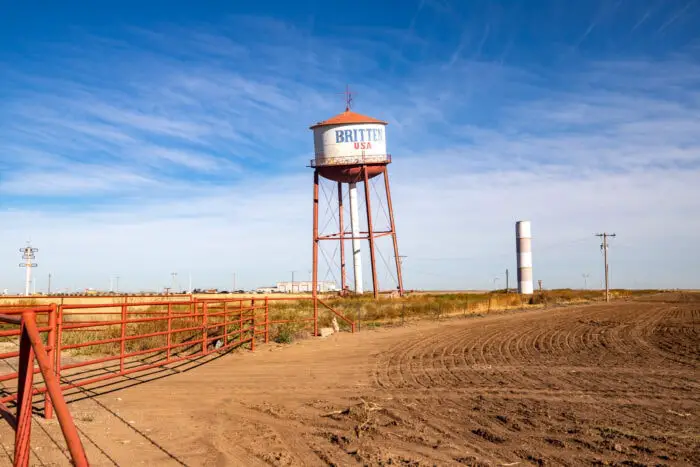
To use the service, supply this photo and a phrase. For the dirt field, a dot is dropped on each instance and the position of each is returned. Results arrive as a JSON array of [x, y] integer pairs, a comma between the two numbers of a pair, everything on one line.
[[605, 385]]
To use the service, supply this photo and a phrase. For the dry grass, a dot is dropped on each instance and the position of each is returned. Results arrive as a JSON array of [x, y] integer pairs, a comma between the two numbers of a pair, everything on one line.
[[184, 327], [291, 319], [132, 345], [437, 306], [570, 296]]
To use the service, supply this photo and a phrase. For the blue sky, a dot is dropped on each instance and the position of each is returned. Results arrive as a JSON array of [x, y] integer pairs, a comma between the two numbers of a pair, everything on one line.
[[143, 138]]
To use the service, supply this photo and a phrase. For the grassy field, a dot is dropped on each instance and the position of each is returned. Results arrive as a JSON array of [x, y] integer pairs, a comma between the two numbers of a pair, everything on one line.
[[290, 319]]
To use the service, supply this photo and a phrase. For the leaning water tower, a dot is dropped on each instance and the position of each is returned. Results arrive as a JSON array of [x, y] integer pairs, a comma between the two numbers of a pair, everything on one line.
[[350, 148]]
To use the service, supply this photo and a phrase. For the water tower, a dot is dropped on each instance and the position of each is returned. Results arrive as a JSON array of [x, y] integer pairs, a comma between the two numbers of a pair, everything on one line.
[[350, 148]]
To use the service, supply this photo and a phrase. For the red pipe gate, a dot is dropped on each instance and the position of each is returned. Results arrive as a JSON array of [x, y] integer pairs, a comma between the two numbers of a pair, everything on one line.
[[127, 338]]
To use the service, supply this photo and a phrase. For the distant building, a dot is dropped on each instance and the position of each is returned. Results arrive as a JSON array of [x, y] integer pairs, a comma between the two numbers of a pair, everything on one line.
[[298, 287]]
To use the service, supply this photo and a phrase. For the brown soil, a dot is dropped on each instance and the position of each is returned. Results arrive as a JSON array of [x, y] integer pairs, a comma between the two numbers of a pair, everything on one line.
[[603, 385]]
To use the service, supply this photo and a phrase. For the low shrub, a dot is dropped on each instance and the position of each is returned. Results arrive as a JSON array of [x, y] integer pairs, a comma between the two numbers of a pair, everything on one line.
[[284, 335]]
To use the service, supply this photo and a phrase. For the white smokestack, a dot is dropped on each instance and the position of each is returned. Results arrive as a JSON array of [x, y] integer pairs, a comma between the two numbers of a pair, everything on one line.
[[523, 247], [355, 227]]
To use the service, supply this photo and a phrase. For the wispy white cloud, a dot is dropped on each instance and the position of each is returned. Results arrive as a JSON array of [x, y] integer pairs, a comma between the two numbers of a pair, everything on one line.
[[80, 180], [676, 15]]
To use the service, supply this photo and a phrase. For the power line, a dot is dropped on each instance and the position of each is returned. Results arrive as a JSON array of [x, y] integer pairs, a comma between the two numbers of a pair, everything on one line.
[[604, 247]]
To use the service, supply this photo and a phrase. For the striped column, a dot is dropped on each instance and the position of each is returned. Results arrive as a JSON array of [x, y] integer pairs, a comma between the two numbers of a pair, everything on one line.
[[523, 247]]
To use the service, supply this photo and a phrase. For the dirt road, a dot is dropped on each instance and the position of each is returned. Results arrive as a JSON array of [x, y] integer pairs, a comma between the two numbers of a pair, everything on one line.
[[606, 385]]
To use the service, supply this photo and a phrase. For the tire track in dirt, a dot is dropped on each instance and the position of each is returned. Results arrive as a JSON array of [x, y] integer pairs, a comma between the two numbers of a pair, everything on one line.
[[665, 338], [458, 362], [596, 358]]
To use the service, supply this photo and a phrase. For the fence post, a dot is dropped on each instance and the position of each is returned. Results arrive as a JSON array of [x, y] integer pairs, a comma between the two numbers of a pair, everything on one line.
[[122, 344], [25, 379], [59, 341], [51, 344], [267, 320], [240, 322], [225, 324], [252, 339], [204, 328], [170, 331]]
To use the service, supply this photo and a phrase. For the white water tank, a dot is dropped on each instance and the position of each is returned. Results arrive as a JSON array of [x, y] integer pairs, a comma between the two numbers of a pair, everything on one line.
[[349, 138]]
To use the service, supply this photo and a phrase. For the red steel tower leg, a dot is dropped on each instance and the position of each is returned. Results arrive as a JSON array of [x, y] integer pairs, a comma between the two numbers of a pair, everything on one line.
[[399, 277], [370, 232], [342, 239], [314, 277]]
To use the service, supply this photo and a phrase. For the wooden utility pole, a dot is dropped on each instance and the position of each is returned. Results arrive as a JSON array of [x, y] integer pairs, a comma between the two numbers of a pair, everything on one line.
[[506, 281], [604, 247]]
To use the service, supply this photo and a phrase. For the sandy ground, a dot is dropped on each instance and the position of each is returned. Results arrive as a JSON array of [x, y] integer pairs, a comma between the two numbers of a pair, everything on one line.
[[604, 384]]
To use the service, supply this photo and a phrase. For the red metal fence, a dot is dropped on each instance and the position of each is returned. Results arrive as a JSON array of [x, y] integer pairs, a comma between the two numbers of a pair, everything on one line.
[[83, 344]]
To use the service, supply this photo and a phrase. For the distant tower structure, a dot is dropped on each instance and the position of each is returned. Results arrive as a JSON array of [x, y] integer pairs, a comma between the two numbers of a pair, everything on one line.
[[28, 256], [523, 248], [350, 148]]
